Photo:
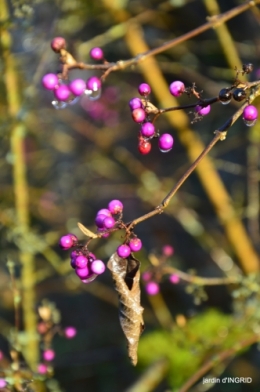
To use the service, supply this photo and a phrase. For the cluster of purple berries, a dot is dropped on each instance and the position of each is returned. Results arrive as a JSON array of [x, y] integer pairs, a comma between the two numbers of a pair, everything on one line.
[[87, 267], [105, 220], [69, 93], [147, 131], [133, 245]]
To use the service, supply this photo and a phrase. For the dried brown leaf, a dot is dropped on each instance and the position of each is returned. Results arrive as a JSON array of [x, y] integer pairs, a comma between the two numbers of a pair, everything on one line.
[[126, 276], [86, 231], [149, 107]]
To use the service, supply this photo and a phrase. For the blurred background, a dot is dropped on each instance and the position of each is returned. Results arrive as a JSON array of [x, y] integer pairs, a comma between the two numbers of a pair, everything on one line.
[[59, 167]]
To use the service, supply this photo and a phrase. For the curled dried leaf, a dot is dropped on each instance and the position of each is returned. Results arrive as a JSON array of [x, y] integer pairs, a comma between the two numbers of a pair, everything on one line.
[[86, 231], [126, 276]]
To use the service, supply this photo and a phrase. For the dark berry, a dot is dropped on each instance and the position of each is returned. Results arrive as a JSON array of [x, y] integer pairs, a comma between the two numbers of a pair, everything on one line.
[[225, 95], [239, 94], [247, 68]]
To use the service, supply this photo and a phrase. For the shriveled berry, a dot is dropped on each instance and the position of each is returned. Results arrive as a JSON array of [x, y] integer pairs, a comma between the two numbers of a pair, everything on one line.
[[81, 262], [225, 96], [57, 44], [144, 89], [96, 53], [148, 129], [152, 288], [48, 355], [247, 68], [77, 87], [165, 142], [93, 83], [177, 88], [144, 146], [68, 241], [98, 267], [138, 115], [62, 93], [115, 206], [50, 81], [123, 251], [203, 111], [70, 332], [135, 103], [239, 94], [135, 244]]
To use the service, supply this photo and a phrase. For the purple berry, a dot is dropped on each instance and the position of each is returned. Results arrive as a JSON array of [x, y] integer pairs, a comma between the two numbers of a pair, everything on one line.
[[148, 129], [74, 254], [82, 273], [91, 257], [250, 113], [70, 332], [98, 267], [109, 222], [115, 206], [203, 111], [138, 115], [135, 244], [62, 93], [42, 369], [50, 81], [68, 241], [101, 230], [100, 220], [144, 89], [81, 262], [93, 83], [174, 279], [165, 142], [177, 88], [135, 103], [96, 54], [146, 276], [123, 251], [152, 288], [49, 355], [104, 211], [77, 87], [3, 383], [57, 44], [167, 250]]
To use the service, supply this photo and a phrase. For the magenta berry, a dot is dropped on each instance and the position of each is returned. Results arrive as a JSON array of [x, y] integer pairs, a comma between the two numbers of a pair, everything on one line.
[[48, 355], [50, 81], [82, 273], [62, 93], [96, 53], [77, 87], [138, 115], [109, 222], [177, 88], [165, 142], [174, 278], [203, 111], [144, 89], [100, 220], [152, 288], [70, 332], [93, 83], [250, 113], [115, 206], [42, 368], [68, 241], [104, 211], [3, 383], [146, 276], [103, 232], [135, 103], [135, 244], [123, 251], [57, 44], [147, 129], [167, 250], [98, 267], [91, 256], [81, 262]]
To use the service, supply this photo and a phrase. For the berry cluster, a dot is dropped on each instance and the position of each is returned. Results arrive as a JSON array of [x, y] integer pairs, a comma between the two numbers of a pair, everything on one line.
[[132, 245], [104, 219], [87, 267], [69, 93], [141, 115]]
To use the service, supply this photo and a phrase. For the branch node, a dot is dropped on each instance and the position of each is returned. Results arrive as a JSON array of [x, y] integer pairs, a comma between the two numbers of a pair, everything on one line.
[[223, 134]]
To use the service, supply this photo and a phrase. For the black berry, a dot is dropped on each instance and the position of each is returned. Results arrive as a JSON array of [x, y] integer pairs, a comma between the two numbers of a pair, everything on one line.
[[239, 94], [225, 95]]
